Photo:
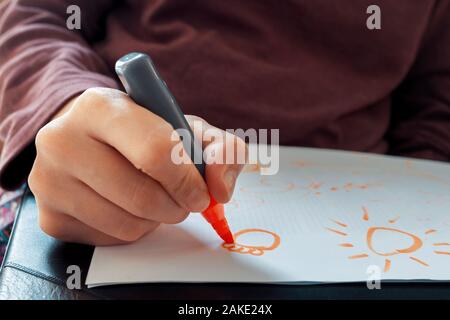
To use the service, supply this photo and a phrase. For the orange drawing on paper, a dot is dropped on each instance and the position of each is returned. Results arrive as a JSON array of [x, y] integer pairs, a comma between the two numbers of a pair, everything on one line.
[[265, 181], [318, 188], [272, 242], [366, 214], [412, 171], [416, 242], [268, 185], [348, 245], [302, 163], [254, 199], [255, 168], [252, 168]]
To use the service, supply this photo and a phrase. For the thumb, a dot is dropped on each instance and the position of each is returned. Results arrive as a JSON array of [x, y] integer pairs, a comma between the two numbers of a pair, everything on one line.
[[225, 156], [221, 177]]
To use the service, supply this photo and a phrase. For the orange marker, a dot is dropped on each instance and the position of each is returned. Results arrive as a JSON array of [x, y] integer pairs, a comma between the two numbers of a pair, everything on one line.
[[215, 215], [145, 86]]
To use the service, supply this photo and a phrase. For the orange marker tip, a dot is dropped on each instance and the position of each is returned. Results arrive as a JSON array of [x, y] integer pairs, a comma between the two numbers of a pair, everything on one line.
[[227, 237], [215, 215], [222, 229]]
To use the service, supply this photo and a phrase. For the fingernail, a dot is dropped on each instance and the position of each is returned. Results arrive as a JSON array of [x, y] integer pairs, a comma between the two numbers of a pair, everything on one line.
[[200, 198], [229, 178]]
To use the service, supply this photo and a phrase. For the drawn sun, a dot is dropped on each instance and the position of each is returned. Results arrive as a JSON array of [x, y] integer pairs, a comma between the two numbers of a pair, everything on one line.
[[415, 242]]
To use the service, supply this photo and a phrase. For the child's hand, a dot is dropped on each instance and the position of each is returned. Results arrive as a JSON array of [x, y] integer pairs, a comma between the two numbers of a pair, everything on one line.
[[103, 172]]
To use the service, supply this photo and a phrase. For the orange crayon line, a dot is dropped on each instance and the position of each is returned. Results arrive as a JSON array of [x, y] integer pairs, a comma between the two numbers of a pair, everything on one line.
[[430, 231], [440, 244], [419, 261], [387, 265], [394, 220], [366, 214], [337, 231], [347, 245], [417, 242], [240, 248], [290, 186], [340, 223], [408, 164], [442, 252], [315, 185], [359, 256]]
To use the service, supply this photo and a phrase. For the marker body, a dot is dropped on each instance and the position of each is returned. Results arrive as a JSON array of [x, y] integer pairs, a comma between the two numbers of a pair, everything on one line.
[[146, 87]]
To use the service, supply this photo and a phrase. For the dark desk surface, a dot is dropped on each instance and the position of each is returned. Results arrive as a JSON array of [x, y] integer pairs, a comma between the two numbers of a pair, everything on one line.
[[35, 268]]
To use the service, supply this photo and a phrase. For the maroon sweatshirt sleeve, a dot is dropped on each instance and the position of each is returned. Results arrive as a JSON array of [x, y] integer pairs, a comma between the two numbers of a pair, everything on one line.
[[42, 65], [421, 108]]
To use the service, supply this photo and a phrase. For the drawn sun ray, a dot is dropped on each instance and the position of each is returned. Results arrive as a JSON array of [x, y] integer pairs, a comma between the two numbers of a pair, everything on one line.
[[373, 231], [387, 265], [366, 214], [346, 245], [359, 256], [419, 261], [337, 231], [340, 223], [442, 252]]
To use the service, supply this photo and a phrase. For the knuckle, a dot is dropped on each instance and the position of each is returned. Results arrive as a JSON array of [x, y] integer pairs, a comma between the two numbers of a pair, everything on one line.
[[126, 235], [89, 98], [131, 230], [178, 216], [52, 141], [36, 181], [46, 137], [33, 182], [147, 201], [184, 186], [154, 154], [140, 198], [129, 236], [151, 226], [48, 224], [91, 95]]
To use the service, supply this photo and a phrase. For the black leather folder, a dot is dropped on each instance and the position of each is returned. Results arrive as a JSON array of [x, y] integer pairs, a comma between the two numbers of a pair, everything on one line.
[[35, 267]]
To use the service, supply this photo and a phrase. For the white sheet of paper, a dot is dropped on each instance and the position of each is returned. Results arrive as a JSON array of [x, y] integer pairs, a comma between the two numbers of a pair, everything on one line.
[[338, 217]]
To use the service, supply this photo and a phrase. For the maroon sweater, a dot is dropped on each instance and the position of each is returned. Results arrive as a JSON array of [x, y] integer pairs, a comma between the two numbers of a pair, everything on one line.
[[308, 67]]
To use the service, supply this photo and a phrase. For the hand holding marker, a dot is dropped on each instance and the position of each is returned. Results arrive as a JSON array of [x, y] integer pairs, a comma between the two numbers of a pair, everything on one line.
[[144, 85]]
